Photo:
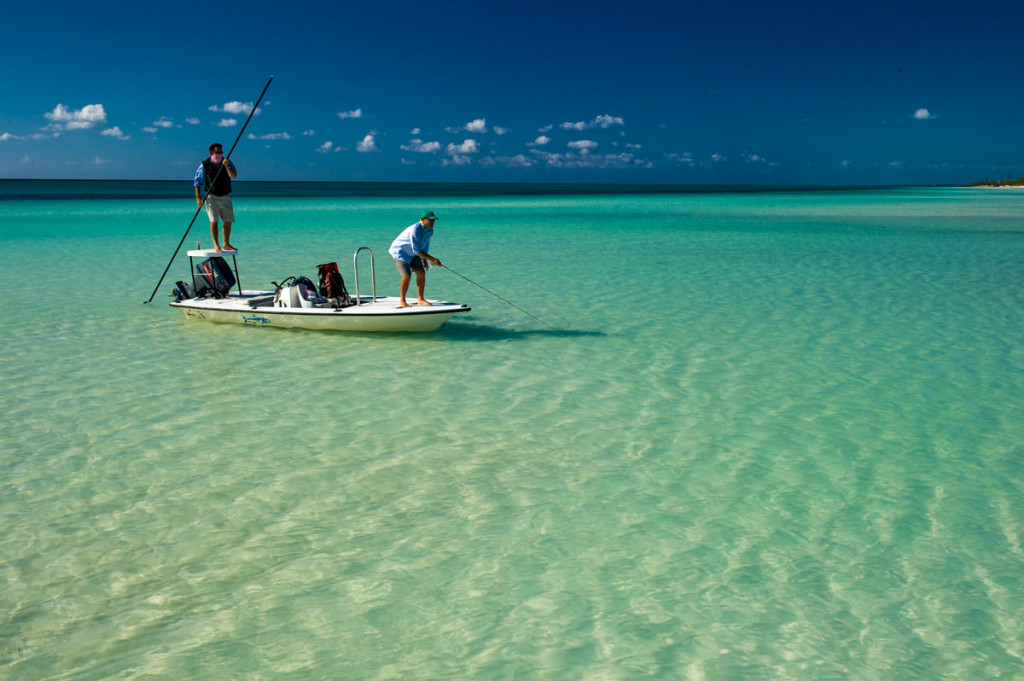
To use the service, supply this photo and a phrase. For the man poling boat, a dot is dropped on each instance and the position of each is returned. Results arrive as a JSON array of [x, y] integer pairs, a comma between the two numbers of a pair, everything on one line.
[[209, 185]]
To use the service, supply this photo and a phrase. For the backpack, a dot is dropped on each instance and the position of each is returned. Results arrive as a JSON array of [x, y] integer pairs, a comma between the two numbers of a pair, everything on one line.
[[332, 285]]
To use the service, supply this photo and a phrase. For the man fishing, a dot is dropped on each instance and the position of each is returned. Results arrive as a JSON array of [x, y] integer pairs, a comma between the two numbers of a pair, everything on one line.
[[409, 250]]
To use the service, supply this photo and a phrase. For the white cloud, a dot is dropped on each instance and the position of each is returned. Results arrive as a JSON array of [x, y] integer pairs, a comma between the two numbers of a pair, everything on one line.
[[421, 147], [685, 159], [100, 161], [163, 123], [6, 137], [458, 153], [271, 136], [116, 133], [369, 144], [924, 115], [192, 121], [603, 121], [469, 146], [354, 113], [518, 161], [227, 123], [600, 161], [478, 125], [308, 133], [606, 121], [584, 146], [233, 108], [457, 160], [757, 158], [414, 131], [539, 142], [81, 119], [325, 147]]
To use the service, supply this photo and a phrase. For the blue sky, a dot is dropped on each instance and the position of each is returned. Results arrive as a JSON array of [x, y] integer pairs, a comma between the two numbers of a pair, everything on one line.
[[557, 91]]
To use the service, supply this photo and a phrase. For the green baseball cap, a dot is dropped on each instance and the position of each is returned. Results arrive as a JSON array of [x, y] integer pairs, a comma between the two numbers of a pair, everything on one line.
[[429, 215]]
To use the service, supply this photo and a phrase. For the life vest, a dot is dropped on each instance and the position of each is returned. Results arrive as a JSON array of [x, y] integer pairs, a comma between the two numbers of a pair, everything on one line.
[[222, 186]]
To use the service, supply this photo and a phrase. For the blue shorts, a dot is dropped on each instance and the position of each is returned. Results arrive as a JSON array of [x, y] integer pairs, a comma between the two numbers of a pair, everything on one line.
[[406, 269]]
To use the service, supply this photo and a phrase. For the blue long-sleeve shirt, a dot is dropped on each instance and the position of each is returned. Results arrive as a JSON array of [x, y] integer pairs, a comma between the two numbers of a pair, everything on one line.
[[200, 178], [413, 240]]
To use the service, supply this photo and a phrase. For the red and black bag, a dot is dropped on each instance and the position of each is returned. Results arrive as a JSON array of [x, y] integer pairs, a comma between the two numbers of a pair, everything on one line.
[[214, 276], [332, 285]]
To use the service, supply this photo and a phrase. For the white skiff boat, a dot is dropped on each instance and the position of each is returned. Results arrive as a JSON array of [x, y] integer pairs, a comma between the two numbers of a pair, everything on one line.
[[216, 295]]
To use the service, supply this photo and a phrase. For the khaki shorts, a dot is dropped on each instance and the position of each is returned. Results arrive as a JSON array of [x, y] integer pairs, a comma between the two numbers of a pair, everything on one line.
[[220, 207]]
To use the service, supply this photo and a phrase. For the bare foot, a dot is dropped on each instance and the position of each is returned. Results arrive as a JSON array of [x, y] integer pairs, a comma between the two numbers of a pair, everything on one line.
[[218, 249], [404, 304], [422, 302], [229, 247]]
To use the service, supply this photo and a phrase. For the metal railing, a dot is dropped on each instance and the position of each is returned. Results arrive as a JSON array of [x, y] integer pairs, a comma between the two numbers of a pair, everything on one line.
[[373, 272]]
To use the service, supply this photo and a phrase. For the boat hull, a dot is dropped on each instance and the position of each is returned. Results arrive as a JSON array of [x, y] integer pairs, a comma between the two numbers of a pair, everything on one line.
[[370, 316]]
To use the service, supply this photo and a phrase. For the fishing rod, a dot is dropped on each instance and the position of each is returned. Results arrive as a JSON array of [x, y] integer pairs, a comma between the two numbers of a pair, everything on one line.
[[497, 296], [220, 169]]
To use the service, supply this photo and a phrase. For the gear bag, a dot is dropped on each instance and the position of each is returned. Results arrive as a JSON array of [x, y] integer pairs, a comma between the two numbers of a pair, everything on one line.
[[332, 285]]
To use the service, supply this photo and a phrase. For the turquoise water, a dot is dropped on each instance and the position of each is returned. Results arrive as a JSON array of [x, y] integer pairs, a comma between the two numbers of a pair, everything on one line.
[[763, 435]]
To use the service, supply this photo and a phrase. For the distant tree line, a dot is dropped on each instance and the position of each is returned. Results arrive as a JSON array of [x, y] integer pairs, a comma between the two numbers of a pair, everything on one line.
[[1005, 182]]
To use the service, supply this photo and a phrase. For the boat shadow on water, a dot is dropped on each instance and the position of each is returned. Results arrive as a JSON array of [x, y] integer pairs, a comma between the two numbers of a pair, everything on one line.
[[463, 331]]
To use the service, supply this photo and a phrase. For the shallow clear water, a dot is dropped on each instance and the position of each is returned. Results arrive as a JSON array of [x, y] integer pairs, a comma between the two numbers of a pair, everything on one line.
[[770, 435]]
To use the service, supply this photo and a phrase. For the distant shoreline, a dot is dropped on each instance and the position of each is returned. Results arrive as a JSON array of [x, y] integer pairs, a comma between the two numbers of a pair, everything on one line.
[[1005, 182]]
